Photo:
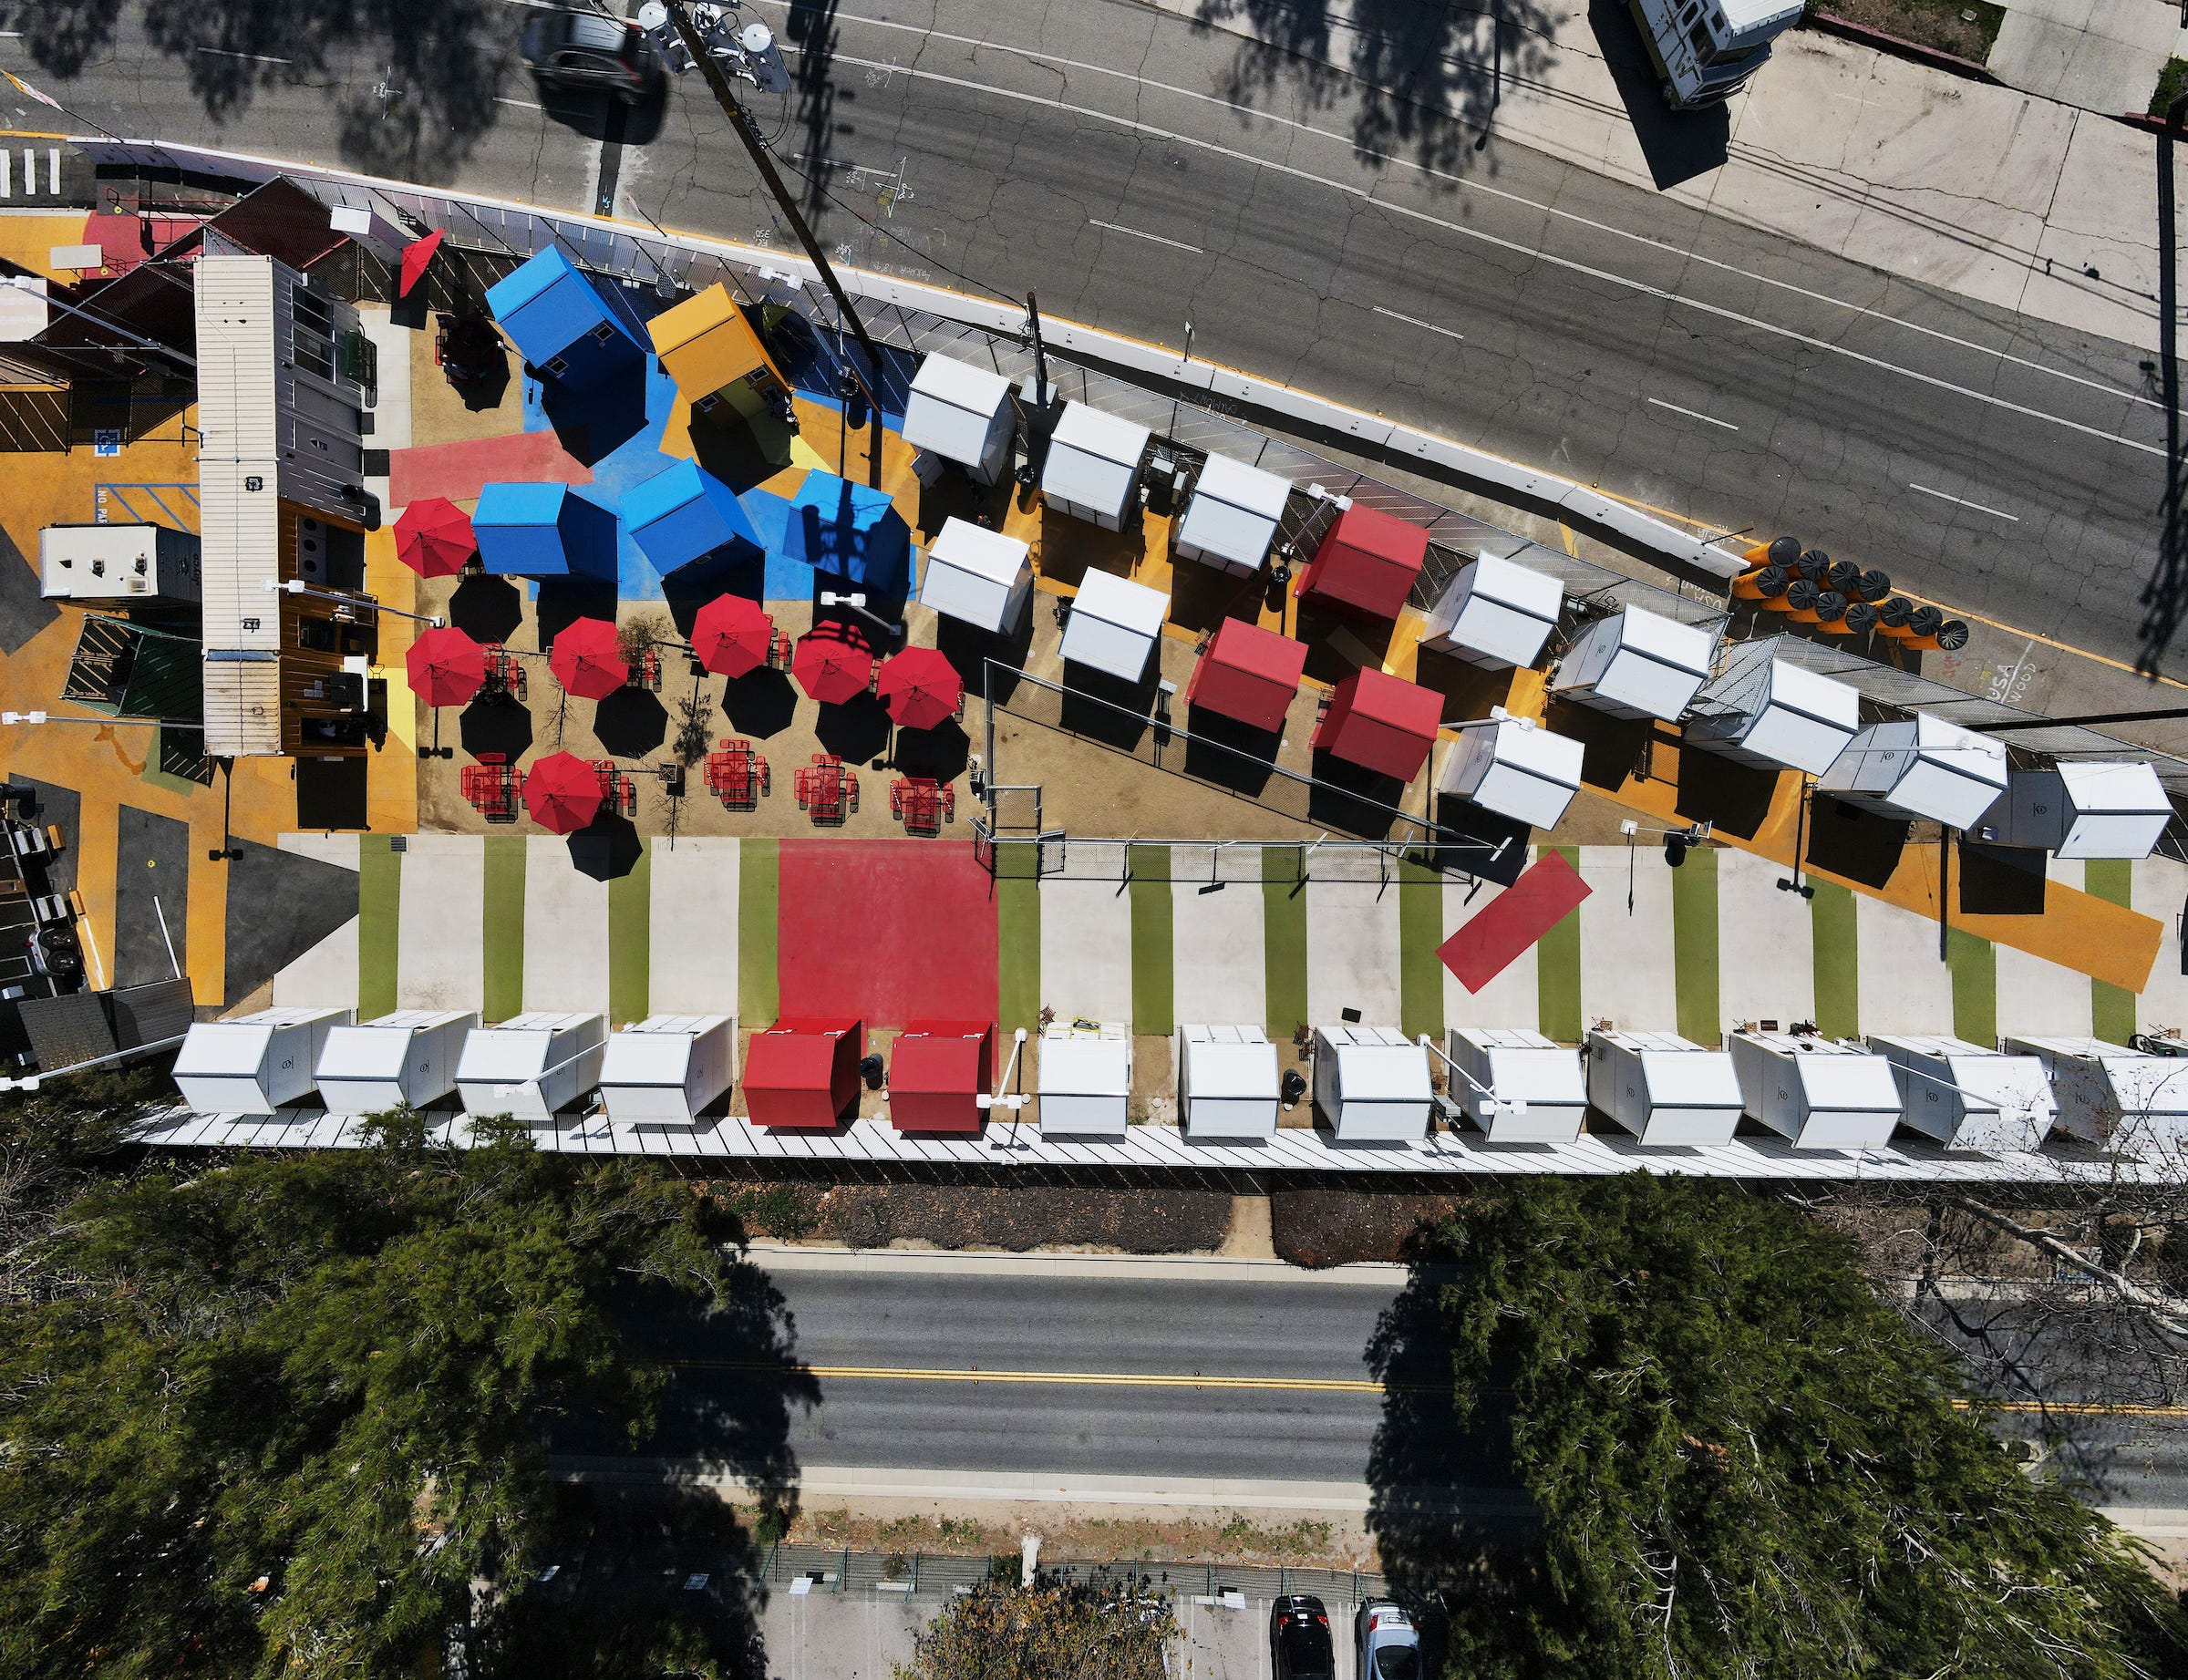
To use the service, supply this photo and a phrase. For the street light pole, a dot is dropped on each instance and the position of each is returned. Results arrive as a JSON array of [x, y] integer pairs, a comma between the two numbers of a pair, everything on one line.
[[297, 586]]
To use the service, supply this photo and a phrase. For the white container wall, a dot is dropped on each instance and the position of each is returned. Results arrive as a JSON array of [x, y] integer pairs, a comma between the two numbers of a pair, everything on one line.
[[533, 1065], [1233, 515], [665, 1071], [404, 1059], [1635, 664], [1516, 769], [1371, 1084], [2082, 811], [1092, 468], [257, 1064], [1663, 1088], [1966, 1097], [1495, 612], [1765, 712], [1819, 1094], [1539, 1093], [977, 576], [962, 414], [2112, 1096], [1227, 1083], [1085, 1084], [1114, 624], [1924, 768]]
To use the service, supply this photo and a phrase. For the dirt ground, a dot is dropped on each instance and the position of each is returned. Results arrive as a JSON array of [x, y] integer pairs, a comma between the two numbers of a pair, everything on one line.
[[1331, 1541]]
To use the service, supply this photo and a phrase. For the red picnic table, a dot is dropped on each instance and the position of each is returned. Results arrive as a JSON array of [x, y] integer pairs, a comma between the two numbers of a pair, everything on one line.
[[827, 790], [922, 804], [490, 787], [737, 775], [617, 789], [504, 672]]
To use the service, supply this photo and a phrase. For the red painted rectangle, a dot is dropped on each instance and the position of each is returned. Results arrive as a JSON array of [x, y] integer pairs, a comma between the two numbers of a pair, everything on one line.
[[1512, 924], [460, 470], [890, 929]]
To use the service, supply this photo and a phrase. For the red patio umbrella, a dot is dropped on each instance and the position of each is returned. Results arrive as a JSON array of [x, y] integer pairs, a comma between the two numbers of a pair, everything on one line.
[[586, 660], [434, 538], [562, 793], [416, 255], [833, 663], [921, 688], [445, 667], [730, 636]]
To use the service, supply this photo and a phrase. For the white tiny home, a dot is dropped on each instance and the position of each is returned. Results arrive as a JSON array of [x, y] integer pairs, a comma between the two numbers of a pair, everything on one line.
[[257, 1064], [1231, 515], [1495, 612], [665, 1071], [1635, 664], [1535, 1092], [978, 577], [1092, 468], [1085, 1085], [1967, 1097], [1663, 1088], [1923, 767], [1227, 1083], [1818, 1094], [2110, 1094], [962, 414], [1516, 769], [1113, 625], [1772, 715], [406, 1060], [1371, 1084], [2082, 811], [532, 1066]]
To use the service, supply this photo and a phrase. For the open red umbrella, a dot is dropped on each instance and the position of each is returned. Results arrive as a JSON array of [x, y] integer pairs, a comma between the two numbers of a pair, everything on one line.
[[562, 793], [732, 634], [445, 667], [833, 663], [416, 255], [921, 688], [586, 660], [434, 538]]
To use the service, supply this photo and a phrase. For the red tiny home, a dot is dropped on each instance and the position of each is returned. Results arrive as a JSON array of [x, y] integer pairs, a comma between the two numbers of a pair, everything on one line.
[[803, 1073], [1380, 723], [937, 1069], [1367, 560], [1248, 674]]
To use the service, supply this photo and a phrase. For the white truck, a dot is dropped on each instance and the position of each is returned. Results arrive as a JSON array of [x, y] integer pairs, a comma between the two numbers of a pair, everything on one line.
[[1706, 49]]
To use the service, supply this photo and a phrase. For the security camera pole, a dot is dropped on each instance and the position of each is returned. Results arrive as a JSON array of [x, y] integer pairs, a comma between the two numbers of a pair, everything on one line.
[[695, 44]]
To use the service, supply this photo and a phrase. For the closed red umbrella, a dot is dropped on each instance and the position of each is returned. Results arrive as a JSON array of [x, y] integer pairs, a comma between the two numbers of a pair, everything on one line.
[[562, 793], [434, 538], [587, 661], [921, 688], [833, 663], [445, 667], [731, 635], [416, 254]]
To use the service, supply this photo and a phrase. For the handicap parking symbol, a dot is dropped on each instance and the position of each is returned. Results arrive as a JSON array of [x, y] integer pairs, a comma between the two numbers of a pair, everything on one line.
[[106, 441]]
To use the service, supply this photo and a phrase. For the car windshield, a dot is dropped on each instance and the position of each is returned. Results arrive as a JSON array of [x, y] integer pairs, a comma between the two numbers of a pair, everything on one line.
[[1397, 1662], [1306, 1653]]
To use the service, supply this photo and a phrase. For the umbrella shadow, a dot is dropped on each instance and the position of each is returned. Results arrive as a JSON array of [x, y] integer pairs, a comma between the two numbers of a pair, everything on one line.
[[736, 568], [940, 753], [759, 704], [496, 725], [607, 848], [563, 600], [855, 731], [630, 723], [486, 608]]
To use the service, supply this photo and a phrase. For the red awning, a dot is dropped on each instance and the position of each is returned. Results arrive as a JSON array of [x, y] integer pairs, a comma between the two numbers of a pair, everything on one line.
[[921, 688], [434, 538], [834, 663], [1249, 674], [445, 667], [562, 793], [731, 635], [803, 1073], [936, 1071], [416, 254], [587, 660], [1513, 922], [1368, 560], [1380, 723]]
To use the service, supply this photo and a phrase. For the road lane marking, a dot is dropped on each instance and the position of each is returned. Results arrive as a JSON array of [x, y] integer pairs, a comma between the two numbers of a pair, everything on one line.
[[221, 51], [1692, 414], [1118, 227], [1466, 184], [1051, 1380], [1411, 321], [1530, 252], [1979, 506], [525, 105]]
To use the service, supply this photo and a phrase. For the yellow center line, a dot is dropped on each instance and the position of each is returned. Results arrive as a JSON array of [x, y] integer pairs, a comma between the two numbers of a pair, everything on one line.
[[1058, 1379], [2086, 1408]]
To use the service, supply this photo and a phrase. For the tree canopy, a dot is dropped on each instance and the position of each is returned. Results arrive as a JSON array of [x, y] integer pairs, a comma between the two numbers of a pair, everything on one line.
[[285, 1413], [1743, 1464], [1046, 1631]]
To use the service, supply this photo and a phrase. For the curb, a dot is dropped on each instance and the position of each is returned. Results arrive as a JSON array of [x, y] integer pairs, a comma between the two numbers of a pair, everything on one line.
[[1877, 40]]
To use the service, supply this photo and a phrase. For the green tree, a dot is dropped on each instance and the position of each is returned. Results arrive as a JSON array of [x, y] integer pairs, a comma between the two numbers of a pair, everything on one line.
[[1742, 1463], [283, 1414], [1048, 1631]]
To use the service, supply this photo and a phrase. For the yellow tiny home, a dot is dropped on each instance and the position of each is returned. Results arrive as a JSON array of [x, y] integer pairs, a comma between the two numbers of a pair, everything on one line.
[[710, 350]]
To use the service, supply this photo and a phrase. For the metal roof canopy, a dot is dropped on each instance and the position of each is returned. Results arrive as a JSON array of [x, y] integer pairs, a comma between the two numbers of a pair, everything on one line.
[[1634, 663], [1249, 674], [1093, 464], [936, 1070], [1519, 1067], [1817, 1094], [667, 1069], [1113, 625], [1228, 1084], [1966, 1097], [1085, 1082], [2110, 1095], [1923, 767], [961, 413], [256, 1063], [1763, 710], [977, 576], [1371, 1084], [803, 1071], [1495, 612], [1663, 1088], [2082, 810], [1516, 769], [1233, 515], [404, 1059]]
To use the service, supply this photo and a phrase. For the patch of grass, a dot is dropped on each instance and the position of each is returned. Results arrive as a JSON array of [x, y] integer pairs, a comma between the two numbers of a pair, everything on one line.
[[2170, 86], [1965, 28], [1306, 1537]]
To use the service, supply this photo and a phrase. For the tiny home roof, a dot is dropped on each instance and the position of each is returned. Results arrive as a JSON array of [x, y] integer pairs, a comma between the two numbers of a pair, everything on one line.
[[657, 1051], [1528, 1067], [1683, 648], [2114, 788], [1231, 1062], [1679, 1072], [951, 406], [1832, 1077], [943, 1056], [377, 1049], [1092, 456], [1248, 674], [1074, 1061], [1529, 746], [1235, 510], [1984, 1079], [2142, 1084], [1378, 1064], [520, 504], [518, 1048], [238, 1046], [1522, 588], [528, 279], [974, 549]]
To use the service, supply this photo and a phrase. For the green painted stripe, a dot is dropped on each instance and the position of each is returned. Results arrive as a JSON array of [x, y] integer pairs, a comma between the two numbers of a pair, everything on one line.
[[1420, 969], [2112, 1008], [631, 941], [380, 924], [1154, 973], [758, 908], [1284, 940], [1557, 968], [1017, 870], [1836, 929], [1694, 947], [1974, 965], [503, 927]]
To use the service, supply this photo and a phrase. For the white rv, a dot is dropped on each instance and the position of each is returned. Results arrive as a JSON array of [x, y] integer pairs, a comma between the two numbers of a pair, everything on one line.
[[1706, 50]]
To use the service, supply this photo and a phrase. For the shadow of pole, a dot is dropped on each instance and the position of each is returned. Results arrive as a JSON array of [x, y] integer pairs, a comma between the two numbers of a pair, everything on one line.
[[2161, 598]]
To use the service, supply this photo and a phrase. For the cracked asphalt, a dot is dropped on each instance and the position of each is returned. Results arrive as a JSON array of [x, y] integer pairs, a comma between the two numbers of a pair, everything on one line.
[[1103, 155]]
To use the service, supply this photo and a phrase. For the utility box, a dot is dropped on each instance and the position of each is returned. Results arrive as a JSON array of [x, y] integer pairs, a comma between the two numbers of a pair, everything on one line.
[[1371, 1084], [257, 1064], [962, 414], [1635, 664], [1818, 1094], [2082, 811], [1535, 1090], [140, 564], [667, 1069], [1495, 613], [1092, 468], [1515, 769], [1765, 712], [533, 1065], [1085, 1085], [1663, 1088], [404, 1061], [1232, 516], [1967, 1097], [2112, 1096], [1228, 1087], [1923, 767], [978, 577]]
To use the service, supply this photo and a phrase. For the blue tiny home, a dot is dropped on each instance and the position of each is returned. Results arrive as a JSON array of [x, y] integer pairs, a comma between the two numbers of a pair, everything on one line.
[[543, 530], [678, 516], [575, 329], [850, 533]]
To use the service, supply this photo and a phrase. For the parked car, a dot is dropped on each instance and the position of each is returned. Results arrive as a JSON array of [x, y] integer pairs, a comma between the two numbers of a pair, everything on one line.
[[1299, 1647], [1389, 1643], [581, 52]]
